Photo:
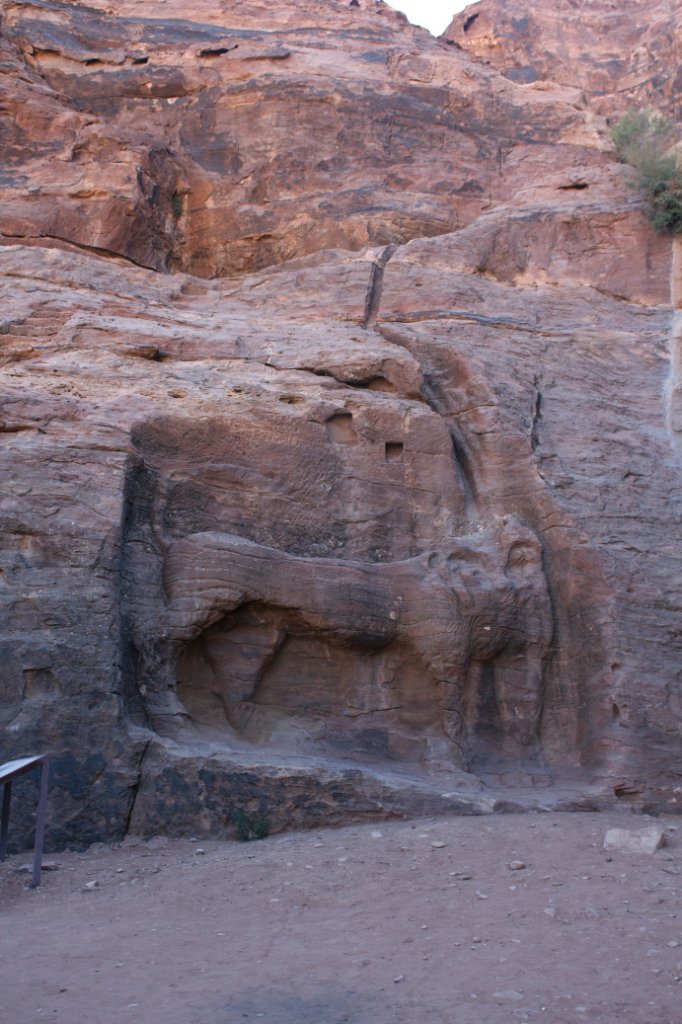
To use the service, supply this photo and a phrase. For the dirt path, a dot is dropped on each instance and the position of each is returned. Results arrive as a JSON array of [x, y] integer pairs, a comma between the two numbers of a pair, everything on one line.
[[367, 925]]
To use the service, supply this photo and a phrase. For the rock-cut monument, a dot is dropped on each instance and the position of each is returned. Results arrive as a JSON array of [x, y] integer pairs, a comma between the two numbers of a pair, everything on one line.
[[339, 415]]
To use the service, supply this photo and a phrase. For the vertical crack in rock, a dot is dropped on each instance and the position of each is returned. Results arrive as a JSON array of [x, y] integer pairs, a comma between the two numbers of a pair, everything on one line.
[[135, 788], [460, 456], [463, 467], [140, 549], [375, 285], [673, 385], [437, 402], [537, 416]]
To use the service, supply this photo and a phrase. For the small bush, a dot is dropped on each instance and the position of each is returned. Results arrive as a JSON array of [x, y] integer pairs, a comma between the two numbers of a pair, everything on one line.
[[666, 205], [638, 130], [645, 140], [250, 826]]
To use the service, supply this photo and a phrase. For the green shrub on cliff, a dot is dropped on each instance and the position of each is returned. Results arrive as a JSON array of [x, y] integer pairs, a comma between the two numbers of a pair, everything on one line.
[[645, 139]]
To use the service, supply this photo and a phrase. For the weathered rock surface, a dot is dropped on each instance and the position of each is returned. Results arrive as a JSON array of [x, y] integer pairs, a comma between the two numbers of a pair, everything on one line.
[[390, 521], [621, 54], [214, 119]]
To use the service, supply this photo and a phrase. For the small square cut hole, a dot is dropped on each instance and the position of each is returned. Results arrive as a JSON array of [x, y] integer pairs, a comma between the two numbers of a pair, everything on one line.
[[394, 451]]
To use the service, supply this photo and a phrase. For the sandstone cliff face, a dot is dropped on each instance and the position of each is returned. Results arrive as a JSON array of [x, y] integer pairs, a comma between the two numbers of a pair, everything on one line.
[[339, 478], [249, 137], [623, 54]]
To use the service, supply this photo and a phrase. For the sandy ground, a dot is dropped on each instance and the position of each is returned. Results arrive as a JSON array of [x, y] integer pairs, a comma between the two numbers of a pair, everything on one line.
[[419, 922]]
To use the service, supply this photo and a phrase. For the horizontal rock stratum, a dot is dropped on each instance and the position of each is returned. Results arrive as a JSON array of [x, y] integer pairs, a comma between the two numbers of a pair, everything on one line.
[[338, 422]]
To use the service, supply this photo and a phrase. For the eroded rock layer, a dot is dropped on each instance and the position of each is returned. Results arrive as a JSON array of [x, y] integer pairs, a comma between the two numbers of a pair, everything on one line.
[[339, 476], [622, 54]]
